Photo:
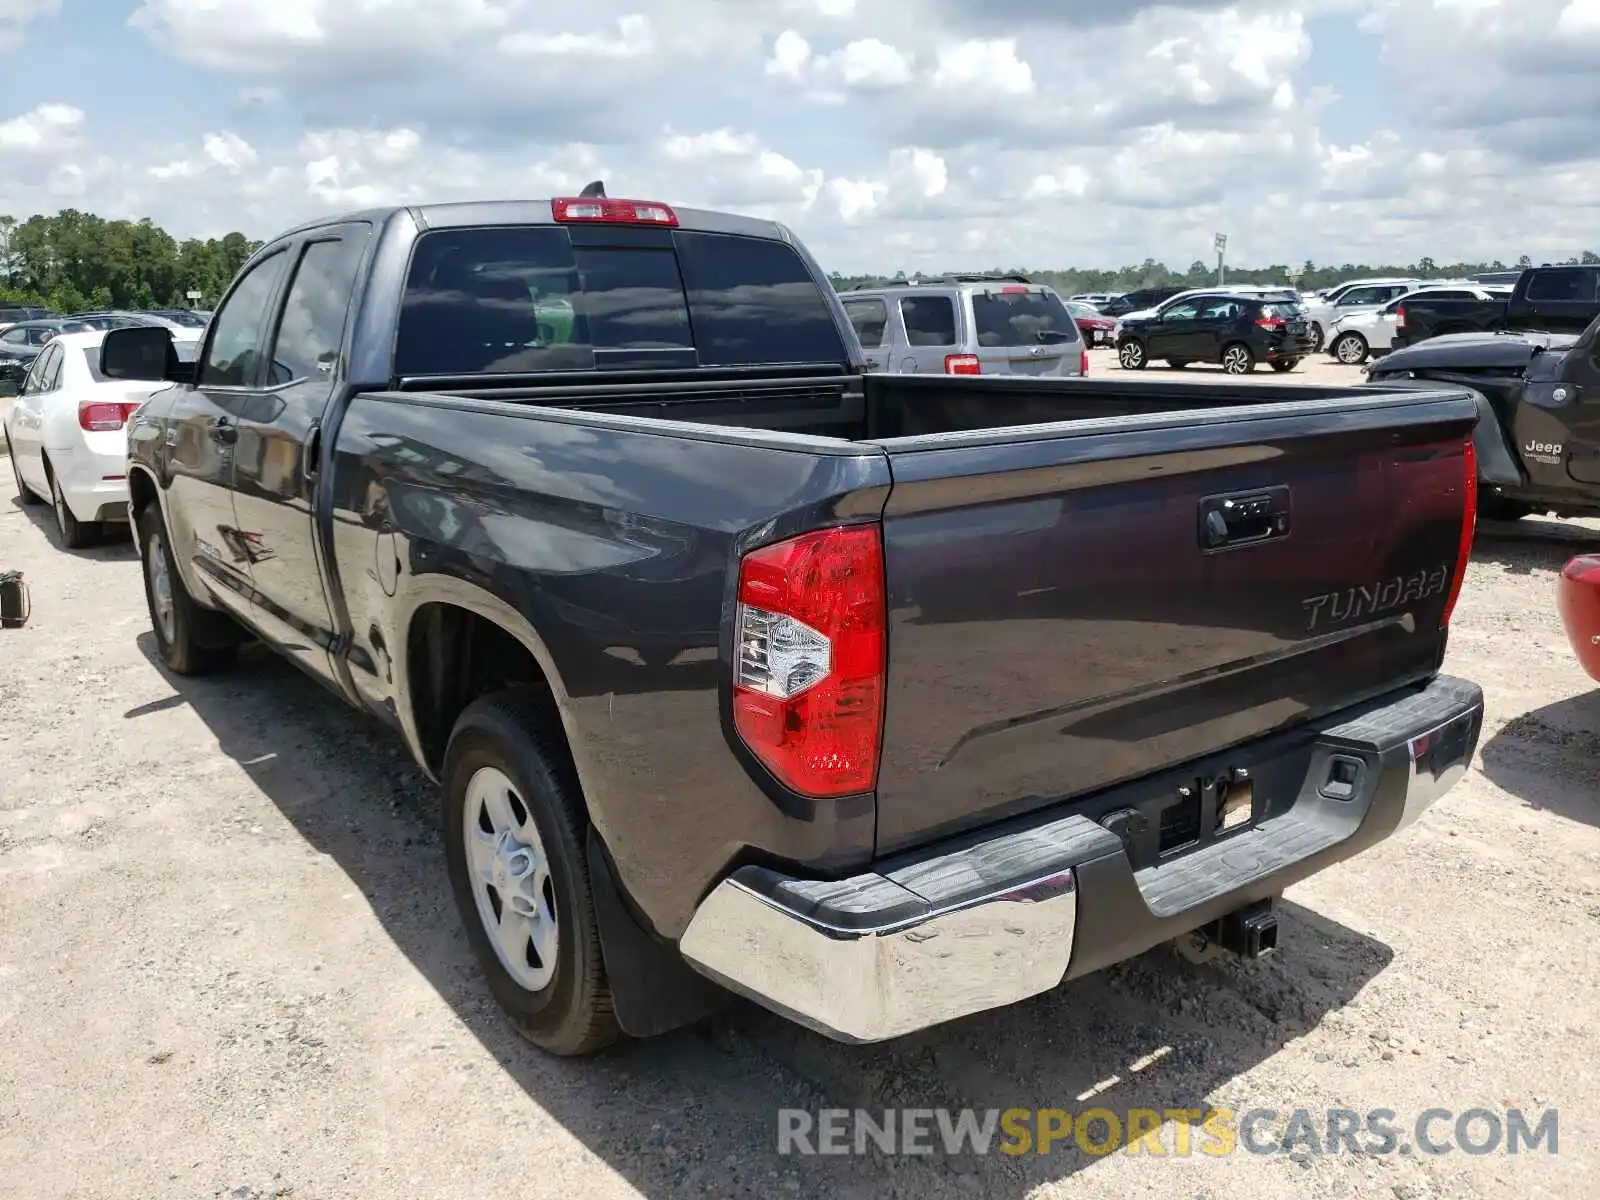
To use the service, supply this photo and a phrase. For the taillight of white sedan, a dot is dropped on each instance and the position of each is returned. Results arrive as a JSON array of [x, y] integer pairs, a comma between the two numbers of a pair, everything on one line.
[[66, 430]]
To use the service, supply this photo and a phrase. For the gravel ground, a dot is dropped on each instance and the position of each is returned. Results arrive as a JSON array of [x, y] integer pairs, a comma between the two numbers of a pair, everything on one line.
[[230, 965]]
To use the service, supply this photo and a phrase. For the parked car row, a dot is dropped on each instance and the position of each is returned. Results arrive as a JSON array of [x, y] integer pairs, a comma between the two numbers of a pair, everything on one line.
[[838, 720], [65, 431], [22, 339]]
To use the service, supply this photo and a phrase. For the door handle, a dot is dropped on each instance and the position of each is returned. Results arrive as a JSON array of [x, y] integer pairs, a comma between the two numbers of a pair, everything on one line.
[[1244, 519], [309, 453], [223, 432]]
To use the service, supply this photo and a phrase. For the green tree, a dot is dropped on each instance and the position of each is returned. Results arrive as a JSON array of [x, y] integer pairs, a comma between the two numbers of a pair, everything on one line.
[[75, 260]]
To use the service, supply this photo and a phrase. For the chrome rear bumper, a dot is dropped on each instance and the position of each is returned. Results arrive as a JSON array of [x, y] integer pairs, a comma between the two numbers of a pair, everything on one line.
[[985, 922]]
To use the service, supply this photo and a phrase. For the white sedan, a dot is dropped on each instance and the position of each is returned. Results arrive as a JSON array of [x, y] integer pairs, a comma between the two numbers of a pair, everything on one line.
[[66, 434]]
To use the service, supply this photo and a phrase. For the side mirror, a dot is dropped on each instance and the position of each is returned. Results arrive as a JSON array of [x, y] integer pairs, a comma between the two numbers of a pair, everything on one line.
[[144, 353]]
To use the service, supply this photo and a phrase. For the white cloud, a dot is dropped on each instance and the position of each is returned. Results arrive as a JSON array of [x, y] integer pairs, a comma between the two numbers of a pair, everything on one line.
[[926, 133], [49, 129], [17, 15]]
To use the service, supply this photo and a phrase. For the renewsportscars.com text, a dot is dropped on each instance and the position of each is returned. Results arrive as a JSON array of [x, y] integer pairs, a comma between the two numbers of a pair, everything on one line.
[[1178, 1132]]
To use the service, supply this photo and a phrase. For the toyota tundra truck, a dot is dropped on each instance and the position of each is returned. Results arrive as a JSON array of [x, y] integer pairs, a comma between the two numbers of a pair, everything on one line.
[[879, 700]]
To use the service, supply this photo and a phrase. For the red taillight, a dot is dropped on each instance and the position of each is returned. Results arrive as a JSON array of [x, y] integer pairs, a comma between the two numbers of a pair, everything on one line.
[[1400, 317], [103, 416], [1469, 526], [1014, 290], [613, 212], [962, 364], [1083, 361], [1271, 322], [809, 669]]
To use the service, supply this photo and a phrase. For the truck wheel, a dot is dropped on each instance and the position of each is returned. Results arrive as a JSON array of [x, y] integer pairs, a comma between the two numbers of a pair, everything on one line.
[[1177, 364], [1284, 365], [1350, 349], [514, 826], [25, 494], [186, 634], [1317, 337], [1237, 359], [1131, 355], [1498, 508]]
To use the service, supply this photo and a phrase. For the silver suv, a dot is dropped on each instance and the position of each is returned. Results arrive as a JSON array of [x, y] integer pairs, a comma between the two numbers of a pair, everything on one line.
[[966, 325]]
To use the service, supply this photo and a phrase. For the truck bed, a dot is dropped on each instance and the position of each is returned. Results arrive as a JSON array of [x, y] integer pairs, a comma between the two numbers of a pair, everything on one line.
[[1058, 623], [877, 407]]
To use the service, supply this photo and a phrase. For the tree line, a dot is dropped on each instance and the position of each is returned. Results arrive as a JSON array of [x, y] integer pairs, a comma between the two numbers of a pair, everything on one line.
[[76, 260]]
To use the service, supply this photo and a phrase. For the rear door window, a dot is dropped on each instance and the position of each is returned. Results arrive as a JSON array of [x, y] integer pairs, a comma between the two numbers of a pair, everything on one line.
[[311, 329], [1021, 318], [1570, 285], [525, 299], [869, 316], [753, 301], [930, 320]]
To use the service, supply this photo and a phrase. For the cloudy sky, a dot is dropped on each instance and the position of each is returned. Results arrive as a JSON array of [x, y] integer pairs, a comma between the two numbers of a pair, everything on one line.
[[905, 134]]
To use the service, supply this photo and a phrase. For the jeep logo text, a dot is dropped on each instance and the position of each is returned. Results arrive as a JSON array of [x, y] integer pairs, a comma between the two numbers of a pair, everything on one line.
[[1545, 452]]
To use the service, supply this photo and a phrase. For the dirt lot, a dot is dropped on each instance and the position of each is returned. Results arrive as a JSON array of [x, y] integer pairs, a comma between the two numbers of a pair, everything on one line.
[[229, 964]]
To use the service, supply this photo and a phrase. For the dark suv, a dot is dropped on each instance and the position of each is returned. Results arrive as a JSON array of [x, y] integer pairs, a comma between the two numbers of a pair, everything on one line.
[[1235, 331]]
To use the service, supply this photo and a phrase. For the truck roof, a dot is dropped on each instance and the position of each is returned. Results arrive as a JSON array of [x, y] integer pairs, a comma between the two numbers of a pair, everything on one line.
[[457, 214]]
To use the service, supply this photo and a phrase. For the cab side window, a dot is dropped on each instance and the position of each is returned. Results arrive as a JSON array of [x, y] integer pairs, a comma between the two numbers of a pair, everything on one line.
[[311, 331], [232, 355]]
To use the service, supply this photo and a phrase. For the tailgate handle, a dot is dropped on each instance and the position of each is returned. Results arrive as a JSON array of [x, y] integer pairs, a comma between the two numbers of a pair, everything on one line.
[[1244, 519]]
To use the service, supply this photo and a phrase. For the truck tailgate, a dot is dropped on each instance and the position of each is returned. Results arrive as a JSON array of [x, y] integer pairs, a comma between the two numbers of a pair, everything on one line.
[[1074, 605]]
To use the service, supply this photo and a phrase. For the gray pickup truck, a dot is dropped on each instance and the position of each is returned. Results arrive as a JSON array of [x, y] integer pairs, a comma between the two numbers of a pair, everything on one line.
[[880, 700]]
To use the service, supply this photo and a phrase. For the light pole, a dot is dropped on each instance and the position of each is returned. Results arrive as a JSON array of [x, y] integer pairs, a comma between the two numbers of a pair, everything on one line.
[[1221, 243]]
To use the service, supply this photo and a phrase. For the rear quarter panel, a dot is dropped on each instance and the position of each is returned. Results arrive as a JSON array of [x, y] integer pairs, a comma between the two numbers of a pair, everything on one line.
[[610, 542]]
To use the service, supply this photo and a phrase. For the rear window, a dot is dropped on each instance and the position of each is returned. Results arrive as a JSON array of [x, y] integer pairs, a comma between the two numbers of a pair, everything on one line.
[[1284, 310], [526, 299], [1021, 319]]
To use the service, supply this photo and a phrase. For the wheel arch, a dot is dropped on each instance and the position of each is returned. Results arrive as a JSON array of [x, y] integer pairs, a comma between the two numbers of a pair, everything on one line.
[[653, 989]]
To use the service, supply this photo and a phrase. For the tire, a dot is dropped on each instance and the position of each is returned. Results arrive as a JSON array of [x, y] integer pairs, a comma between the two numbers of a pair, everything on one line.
[[1317, 337], [75, 534], [1131, 355], [1177, 364], [1237, 359], [188, 639], [1498, 508], [503, 744], [1350, 348], [25, 494], [1284, 365]]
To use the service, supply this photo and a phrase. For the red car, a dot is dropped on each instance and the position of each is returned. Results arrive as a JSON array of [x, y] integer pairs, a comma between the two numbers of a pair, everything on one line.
[[1579, 602], [1093, 325]]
